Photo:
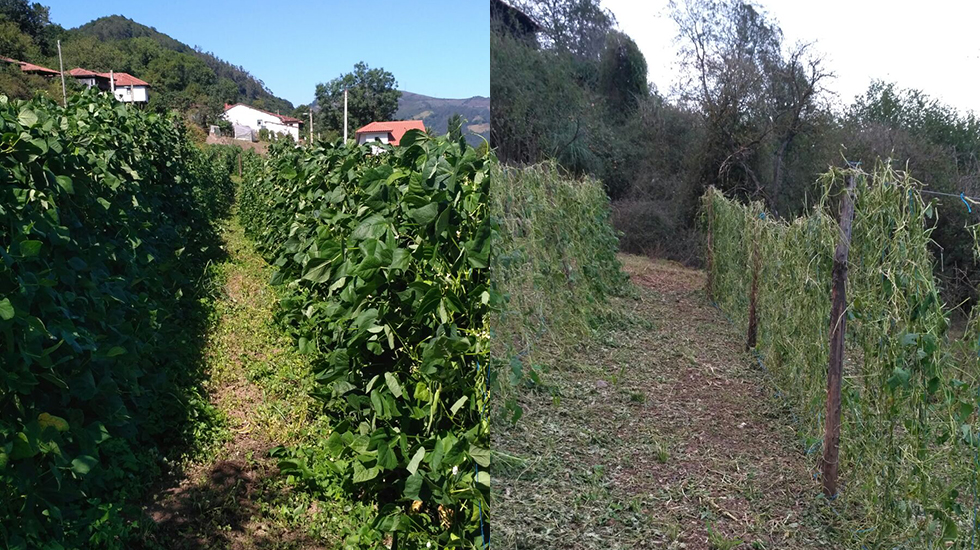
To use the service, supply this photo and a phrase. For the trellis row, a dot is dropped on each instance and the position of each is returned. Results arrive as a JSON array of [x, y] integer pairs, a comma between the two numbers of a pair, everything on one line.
[[906, 405]]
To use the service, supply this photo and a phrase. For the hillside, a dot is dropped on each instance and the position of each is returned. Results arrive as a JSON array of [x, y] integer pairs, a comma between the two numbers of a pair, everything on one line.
[[435, 112], [123, 31]]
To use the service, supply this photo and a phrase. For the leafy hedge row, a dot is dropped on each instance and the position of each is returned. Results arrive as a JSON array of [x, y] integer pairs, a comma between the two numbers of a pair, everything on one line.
[[104, 228], [385, 263]]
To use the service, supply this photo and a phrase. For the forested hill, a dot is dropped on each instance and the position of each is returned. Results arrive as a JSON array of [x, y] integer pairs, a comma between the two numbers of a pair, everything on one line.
[[130, 37], [435, 112], [183, 78], [117, 27]]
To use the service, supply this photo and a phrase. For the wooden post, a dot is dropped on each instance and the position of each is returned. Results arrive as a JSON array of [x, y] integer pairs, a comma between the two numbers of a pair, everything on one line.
[[838, 313], [751, 338], [61, 67], [709, 284]]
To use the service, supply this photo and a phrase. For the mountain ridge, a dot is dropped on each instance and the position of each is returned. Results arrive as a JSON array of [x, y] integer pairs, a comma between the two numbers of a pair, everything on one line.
[[435, 112]]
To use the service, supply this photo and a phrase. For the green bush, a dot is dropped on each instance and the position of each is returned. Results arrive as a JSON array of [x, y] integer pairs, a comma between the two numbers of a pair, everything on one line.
[[385, 266], [104, 229]]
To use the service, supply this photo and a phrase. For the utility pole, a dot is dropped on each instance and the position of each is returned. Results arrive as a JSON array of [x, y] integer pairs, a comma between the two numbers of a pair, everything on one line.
[[311, 124], [61, 66], [345, 115]]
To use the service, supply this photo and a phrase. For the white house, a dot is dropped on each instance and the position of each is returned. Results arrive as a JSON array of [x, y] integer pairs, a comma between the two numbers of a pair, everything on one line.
[[390, 132], [256, 119], [123, 86], [130, 89]]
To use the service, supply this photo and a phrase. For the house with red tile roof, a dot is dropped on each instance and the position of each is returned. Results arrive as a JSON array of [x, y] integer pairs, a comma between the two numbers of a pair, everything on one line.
[[246, 116], [30, 68], [390, 132], [124, 86]]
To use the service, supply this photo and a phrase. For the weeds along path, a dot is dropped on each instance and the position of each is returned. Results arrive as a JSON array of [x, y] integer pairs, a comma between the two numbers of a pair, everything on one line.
[[232, 496], [663, 436]]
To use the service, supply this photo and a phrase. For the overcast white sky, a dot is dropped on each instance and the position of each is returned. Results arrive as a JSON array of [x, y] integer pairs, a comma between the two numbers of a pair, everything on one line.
[[931, 45]]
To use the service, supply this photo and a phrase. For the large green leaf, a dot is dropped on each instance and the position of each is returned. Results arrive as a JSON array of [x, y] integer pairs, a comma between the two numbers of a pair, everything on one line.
[[6, 310]]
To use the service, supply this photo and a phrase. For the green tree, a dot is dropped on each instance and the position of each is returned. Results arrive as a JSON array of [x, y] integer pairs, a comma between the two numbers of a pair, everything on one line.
[[31, 18], [16, 44], [371, 96], [575, 26], [623, 73]]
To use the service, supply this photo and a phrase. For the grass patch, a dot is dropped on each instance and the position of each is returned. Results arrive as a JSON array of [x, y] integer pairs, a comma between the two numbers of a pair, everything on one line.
[[649, 442], [230, 493]]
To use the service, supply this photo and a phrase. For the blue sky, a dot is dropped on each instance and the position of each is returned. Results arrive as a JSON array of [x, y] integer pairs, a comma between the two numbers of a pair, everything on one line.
[[438, 48]]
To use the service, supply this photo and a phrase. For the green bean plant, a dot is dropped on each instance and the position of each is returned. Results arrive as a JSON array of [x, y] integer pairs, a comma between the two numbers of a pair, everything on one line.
[[555, 265], [383, 258], [107, 222], [907, 449]]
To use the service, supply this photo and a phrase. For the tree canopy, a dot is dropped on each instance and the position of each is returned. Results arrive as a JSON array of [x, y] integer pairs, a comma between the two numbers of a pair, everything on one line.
[[371, 96], [751, 116]]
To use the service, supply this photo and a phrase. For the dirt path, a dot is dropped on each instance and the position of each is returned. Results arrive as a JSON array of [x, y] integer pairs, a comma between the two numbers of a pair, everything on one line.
[[662, 436], [233, 497]]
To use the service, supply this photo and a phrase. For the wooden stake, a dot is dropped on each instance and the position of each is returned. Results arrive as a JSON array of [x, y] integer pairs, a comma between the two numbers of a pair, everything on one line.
[[61, 66], [709, 284], [751, 338], [838, 312]]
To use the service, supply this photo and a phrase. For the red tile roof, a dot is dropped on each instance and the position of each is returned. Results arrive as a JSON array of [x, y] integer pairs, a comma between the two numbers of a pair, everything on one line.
[[122, 79], [283, 118], [79, 72], [125, 79], [30, 67], [394, 128]]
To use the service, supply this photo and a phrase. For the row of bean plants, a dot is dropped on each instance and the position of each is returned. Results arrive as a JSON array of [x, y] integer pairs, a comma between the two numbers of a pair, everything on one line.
[[105, 227], [908, 442], [383, 260], [555, 266]]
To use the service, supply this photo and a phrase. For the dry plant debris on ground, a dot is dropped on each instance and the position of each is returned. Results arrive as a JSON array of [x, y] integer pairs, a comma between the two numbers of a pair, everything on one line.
[[234, 497], [661, 434]]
